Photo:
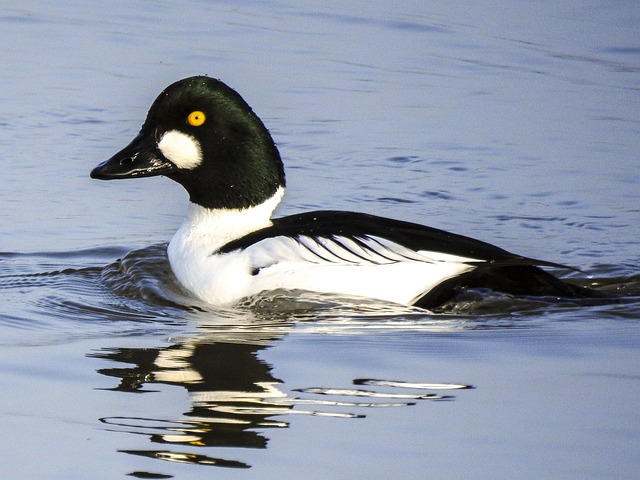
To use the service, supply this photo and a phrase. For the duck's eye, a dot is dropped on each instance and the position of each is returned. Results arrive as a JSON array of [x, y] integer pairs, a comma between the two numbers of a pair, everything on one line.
[[197, 118]]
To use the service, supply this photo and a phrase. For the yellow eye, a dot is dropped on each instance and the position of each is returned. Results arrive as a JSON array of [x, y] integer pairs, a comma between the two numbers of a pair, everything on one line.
[[197, 118]]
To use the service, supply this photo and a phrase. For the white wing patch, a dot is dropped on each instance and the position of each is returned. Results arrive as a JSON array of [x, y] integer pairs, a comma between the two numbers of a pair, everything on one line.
[[341, 250], [364, 266]]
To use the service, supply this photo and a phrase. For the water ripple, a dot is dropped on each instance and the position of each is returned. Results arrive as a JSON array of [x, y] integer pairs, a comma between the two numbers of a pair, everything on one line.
[[64, 295], [71, 294]]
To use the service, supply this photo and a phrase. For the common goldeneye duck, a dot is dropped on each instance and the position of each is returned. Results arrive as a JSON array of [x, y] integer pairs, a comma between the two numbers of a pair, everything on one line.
[[202, 134]]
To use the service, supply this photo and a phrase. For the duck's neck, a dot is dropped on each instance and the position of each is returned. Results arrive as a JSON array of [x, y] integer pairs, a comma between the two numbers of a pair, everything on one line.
[[205, 230]]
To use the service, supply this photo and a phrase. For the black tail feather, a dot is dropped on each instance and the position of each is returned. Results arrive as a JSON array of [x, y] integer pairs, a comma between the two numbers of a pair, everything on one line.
[[517, 280]]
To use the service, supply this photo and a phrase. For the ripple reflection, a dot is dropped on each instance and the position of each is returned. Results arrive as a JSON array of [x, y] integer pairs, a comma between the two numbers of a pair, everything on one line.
[[235, 399]]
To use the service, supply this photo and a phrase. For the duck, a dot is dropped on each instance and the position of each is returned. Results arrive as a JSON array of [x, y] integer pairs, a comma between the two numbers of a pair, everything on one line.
[[202, 134]]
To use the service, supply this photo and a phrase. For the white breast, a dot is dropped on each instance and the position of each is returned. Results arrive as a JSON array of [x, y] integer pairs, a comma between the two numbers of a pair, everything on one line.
[[203, 232]]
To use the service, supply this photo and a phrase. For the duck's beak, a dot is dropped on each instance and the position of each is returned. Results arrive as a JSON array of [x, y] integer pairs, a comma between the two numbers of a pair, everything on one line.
[[141, 158]]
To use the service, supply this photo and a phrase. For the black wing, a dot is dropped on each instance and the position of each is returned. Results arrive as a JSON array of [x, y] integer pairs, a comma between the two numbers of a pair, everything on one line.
[[497, 270], [415, 237]]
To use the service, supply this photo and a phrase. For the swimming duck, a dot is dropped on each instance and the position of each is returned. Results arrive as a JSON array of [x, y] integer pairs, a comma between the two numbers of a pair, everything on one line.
[[201, 133]]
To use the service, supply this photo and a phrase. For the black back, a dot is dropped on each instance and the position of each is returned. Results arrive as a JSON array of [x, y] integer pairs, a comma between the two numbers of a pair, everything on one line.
[[327, 224]]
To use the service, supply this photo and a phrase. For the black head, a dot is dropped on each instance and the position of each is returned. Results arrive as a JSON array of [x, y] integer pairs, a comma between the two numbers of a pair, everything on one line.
[[202, 134]]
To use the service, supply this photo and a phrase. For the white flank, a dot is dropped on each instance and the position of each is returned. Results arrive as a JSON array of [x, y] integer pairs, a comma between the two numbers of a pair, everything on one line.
[[180, 149], [293, 266], [373, 268]]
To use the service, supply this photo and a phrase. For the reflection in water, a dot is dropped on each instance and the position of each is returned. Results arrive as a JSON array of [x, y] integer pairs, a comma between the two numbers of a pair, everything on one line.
[[187, 458], [234, 398], [232, 393]]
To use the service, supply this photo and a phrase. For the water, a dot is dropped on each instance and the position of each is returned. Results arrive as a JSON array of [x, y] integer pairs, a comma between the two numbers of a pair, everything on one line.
[[514, 122]]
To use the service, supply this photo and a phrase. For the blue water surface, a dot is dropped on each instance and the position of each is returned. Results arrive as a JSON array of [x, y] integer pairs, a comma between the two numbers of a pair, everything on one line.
[[517, 123]]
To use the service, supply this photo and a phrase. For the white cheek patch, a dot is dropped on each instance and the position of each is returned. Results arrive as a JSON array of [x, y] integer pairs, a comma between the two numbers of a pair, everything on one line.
[[180, 149]]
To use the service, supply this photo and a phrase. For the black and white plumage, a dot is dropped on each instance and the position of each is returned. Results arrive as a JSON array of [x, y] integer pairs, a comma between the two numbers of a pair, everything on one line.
[[201, 133]]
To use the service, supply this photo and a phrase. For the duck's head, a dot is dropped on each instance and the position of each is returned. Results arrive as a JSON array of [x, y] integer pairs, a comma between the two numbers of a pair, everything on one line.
[[202, 134]]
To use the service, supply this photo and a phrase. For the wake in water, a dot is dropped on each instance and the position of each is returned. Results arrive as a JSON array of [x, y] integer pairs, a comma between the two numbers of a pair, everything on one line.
[[140, 286], [63, 295], [146, 274]]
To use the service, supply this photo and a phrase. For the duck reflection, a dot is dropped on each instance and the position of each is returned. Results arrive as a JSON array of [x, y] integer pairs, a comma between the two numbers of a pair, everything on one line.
[[234, 399], [233, 394]]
